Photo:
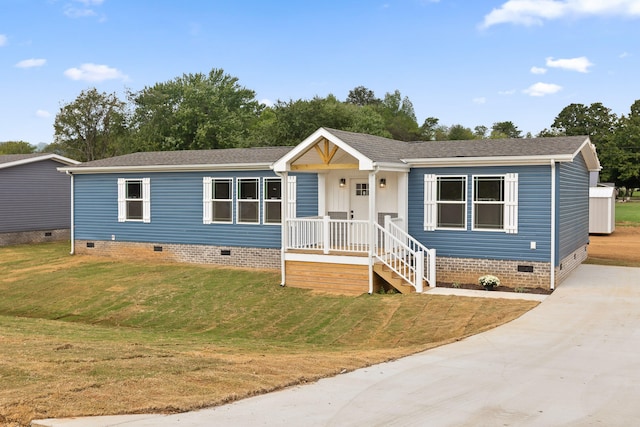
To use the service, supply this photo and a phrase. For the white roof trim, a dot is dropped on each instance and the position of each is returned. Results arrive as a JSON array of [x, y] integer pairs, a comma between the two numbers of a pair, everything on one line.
[[34, 159], [489, 161], [284, 163], [169, 168], [590, 155], [392, 167]]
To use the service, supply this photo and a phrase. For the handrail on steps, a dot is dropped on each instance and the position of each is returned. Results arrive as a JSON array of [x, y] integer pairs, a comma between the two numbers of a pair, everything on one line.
[[404, 255]]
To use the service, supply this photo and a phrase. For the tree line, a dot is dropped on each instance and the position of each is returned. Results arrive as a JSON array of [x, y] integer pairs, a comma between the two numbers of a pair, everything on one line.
[[208, 111]]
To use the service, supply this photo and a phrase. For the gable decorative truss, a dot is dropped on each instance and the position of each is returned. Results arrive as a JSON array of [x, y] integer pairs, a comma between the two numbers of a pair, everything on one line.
[[326, 146]]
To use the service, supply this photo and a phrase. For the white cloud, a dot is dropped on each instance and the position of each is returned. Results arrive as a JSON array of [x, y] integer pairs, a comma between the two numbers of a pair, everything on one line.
[[31, 63], [3, 40], [624, 55], [43, 114], [480, 100], [266, 102], [84, 10], [580, 64], [507, 92], [94, 73], [542, 89], [535, 12], [90, 2], [538, 70]]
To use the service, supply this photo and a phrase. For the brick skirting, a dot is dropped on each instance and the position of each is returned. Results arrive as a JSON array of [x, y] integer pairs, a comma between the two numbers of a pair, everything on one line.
[[28, 237], [513, 274], [230, 256]]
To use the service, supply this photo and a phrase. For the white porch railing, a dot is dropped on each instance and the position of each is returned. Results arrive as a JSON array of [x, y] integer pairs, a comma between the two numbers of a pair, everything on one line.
[[390, 245], [325, 234]]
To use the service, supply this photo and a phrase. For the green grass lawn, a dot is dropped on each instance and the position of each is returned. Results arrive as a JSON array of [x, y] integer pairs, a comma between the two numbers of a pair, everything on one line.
[[82, 335], [628, 213]]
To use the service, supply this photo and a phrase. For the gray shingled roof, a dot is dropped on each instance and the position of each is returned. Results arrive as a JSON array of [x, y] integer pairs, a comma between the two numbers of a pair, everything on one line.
[[553, 146], [227, 156], [10, 158], [376, 148], [381, 149]]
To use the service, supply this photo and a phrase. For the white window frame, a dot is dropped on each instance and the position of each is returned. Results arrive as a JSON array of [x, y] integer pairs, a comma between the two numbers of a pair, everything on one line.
[[432, 202], [208, 199], [240, 201], [509, 203], [123, 200], [266, 201]]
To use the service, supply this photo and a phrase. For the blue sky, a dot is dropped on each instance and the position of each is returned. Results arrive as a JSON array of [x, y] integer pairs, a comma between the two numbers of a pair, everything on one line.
[[464, 62]]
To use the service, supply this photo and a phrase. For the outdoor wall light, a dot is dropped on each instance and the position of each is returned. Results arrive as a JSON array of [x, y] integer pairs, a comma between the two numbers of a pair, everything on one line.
[[343, 182], [383, 182]]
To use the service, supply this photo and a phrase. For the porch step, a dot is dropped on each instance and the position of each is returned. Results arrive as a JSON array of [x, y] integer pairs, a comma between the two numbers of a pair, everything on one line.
[[389, 276]]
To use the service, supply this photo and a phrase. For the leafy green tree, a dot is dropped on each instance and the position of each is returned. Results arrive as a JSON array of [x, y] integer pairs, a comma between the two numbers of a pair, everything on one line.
[[480, 131], [288, 123], [505, 130], [194, 111], [16, 147], [621, 152], [459, 132], [362, 96], [596, 121], [429, 129], [400, 117], [91, 127]]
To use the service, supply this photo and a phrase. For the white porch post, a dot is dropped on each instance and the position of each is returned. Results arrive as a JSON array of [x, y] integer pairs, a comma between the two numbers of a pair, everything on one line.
[[284, 196], [372, 220], [419, 271]]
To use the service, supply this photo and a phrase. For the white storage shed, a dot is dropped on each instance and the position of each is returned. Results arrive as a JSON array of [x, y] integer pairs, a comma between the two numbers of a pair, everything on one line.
[[602, 210]]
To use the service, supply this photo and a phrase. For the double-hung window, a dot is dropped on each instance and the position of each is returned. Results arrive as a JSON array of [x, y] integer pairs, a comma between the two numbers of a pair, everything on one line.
[[488, 202], [134, 199], [495, 203], [272, 200], [248, 210], [452, 202], [445, 202], [217, 200]]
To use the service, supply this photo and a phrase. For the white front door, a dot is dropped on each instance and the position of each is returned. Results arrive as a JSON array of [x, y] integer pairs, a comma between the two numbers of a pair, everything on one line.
[[359, 199], [359, 210]]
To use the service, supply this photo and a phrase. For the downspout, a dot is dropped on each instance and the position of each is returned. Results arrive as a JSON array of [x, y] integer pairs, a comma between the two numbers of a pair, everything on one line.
[[553, 224], [283, 226], [72, 230]]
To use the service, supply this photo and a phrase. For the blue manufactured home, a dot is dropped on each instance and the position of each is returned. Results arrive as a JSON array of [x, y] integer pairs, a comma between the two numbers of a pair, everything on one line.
[[349, 212]]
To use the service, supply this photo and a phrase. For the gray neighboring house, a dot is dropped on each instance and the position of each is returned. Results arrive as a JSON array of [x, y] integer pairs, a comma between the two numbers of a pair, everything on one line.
[[35, 198]]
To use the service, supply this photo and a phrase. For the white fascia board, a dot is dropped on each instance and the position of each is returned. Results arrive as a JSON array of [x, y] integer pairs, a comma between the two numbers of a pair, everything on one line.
[[489, 161], [392, 167], [590, 155], [169, 168], [283, 165], [56, 157]]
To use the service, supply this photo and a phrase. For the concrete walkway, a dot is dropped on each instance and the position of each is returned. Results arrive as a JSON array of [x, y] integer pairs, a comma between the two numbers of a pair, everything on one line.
[[572, 361]]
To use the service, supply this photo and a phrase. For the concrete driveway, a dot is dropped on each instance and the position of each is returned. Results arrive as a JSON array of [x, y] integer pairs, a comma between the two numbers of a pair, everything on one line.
[[572, 361]]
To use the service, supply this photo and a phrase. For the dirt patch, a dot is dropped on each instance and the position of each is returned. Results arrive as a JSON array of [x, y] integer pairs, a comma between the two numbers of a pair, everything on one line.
[[621, 247]]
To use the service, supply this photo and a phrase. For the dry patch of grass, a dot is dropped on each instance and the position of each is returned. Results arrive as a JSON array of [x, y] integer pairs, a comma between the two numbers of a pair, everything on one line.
[[86, 336]]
